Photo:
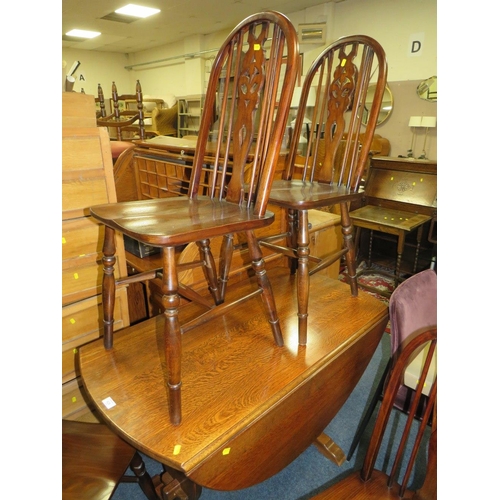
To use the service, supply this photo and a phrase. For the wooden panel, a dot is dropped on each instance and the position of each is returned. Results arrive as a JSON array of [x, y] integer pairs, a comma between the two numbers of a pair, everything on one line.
[[395, 182], [87, 170], [73, 399], [82, 322], [81, 237], [78, 110], [84, 279]]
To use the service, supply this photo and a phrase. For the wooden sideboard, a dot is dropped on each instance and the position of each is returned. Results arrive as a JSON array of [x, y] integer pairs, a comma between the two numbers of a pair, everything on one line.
[[87, 179]]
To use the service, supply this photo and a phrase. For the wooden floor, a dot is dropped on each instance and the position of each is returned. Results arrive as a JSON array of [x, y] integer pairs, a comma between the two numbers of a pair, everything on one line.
[[249, 407]]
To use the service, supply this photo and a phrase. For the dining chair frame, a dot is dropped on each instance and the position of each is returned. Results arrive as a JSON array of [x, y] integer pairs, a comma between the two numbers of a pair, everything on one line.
[[329, 169], [229, 186]]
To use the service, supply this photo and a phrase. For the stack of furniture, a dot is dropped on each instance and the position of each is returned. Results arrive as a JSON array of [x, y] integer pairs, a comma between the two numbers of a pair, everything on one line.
[[87, 178]]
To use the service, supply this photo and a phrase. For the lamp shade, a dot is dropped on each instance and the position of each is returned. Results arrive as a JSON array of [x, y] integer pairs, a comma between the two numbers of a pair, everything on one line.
[[428, 121], [415, 121]]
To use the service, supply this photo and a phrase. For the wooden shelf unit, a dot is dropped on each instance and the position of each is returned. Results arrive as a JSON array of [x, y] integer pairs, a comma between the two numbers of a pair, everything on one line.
[[189, 115], [87, 179]]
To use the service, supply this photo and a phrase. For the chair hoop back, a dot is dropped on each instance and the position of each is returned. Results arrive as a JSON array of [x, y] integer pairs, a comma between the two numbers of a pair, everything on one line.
[[336, 86], [418, 341], [245, 110]]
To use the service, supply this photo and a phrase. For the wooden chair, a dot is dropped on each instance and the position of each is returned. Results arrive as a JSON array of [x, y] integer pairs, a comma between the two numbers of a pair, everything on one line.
[[127, 124], [94, 461], [372, 483], [229, 186], [339, 78], [413, 305]]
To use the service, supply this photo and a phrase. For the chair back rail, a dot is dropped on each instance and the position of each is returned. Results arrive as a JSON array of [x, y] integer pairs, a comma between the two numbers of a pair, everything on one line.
[[238, 142], [413, 344], [335, 152]]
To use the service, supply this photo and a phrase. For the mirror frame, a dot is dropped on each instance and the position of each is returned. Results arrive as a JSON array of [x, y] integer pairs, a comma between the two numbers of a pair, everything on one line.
[[383, 114], [425, 89]]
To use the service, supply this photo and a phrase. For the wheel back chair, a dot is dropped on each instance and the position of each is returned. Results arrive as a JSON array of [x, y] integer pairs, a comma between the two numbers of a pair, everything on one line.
[[248, 97], [373, 483], [413, 305], [327, 172], [94, 462]]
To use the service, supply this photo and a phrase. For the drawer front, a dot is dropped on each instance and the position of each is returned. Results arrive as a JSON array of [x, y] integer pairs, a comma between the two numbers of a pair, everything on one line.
[[81, 237], [84, 280], [82, 323], [73, 400], [80, 194]]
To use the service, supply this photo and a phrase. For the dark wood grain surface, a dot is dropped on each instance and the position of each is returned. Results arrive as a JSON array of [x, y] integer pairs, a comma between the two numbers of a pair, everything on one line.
[[249, 406]]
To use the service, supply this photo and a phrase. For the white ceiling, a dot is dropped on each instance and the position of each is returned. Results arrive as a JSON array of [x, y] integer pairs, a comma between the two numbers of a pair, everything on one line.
[[177, 20]]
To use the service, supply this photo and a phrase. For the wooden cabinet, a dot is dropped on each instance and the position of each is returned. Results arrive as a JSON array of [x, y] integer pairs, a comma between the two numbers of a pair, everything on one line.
[[189, 115], [87, 179]]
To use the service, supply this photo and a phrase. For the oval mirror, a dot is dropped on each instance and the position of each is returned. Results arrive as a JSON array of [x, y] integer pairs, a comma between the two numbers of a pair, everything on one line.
[[428, 89], [385, 109]]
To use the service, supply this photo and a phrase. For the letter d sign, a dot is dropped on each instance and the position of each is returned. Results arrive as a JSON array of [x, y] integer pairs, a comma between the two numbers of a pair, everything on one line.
[[416, 44]]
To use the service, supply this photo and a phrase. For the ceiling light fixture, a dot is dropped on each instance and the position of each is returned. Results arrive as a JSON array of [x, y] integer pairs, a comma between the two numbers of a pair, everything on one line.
[[83, 33], [137, 11]]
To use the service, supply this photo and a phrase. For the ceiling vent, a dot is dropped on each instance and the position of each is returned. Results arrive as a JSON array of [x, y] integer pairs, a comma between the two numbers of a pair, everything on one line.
[[312, 33], [119, 18]]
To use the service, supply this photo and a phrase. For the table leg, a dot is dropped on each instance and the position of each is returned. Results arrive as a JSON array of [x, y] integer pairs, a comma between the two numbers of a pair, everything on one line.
[[419, 240]]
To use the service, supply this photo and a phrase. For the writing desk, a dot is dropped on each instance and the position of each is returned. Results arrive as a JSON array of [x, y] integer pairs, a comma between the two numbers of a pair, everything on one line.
[[249, 407]]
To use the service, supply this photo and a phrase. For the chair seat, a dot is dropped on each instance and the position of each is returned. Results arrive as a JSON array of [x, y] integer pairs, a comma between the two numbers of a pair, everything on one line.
[[307, 195], [93, 460], [179, 220], [353, 487]]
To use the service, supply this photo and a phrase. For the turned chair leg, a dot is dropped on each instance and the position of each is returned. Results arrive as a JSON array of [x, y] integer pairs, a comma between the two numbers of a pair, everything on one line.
[[226, 255], [108, 285], [209, 269], [303, 281], [347, 230], [172, 334], [258, 266]]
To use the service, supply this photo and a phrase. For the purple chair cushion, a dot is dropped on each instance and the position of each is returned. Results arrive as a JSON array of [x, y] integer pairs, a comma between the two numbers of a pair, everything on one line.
[[413, 305]]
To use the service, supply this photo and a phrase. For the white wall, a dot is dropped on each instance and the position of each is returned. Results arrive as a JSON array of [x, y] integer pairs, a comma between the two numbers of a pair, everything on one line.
[[394, 23]]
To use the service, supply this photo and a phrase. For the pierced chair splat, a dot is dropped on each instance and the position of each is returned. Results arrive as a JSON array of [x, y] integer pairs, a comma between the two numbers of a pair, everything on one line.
[[326, 170], [248, 97]]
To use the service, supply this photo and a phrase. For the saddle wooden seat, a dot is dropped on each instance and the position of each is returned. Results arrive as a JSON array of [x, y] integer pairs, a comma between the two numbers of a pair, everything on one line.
[[94, 461]]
